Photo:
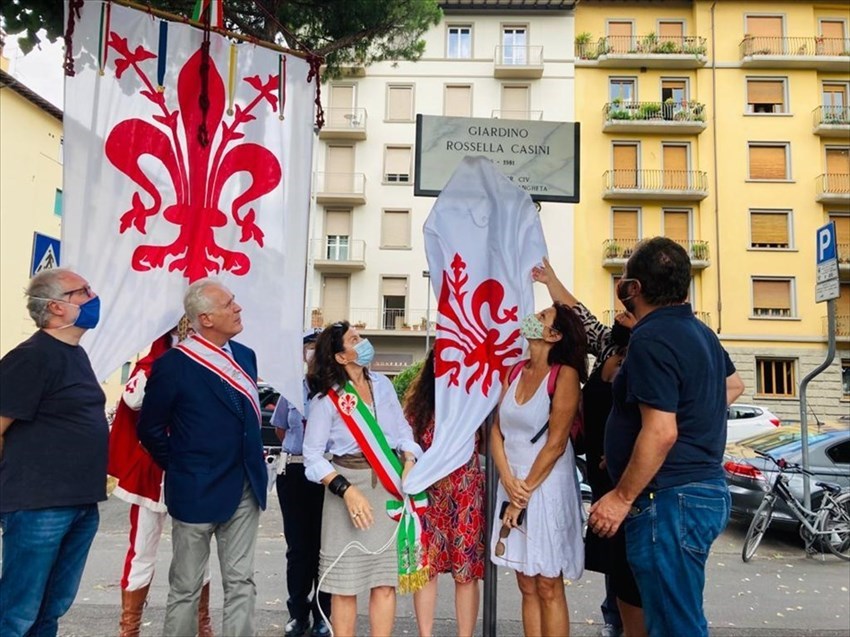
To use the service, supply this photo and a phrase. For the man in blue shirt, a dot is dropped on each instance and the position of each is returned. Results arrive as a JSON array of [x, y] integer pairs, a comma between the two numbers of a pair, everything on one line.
[[301, 504], [665, 439]]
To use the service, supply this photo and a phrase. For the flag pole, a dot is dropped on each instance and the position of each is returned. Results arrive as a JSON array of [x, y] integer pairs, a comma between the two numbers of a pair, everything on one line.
[[490, 573], [173, 17]]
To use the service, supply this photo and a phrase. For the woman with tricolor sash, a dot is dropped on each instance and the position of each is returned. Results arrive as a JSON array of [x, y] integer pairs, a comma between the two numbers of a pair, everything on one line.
[[371, 531]]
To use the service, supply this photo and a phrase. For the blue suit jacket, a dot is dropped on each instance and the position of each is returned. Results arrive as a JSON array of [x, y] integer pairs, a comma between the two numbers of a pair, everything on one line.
[[192, 428]]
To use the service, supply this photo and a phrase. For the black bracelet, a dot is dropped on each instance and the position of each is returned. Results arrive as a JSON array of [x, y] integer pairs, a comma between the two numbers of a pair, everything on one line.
[[339, 485]]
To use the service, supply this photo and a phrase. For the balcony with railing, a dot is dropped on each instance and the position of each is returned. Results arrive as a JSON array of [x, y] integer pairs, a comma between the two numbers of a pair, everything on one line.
[[518, 62], [340, 188], [615, 253], [669, 185], [608, 317], [339, 254], [344, 123], [520, 115], [648, 51], [819, 53], [831, 120], [668, 117], [833, 188], [842, 324], [388, 320]]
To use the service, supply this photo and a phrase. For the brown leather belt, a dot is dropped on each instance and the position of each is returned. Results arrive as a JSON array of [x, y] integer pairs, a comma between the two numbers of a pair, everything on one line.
[[352, 461]]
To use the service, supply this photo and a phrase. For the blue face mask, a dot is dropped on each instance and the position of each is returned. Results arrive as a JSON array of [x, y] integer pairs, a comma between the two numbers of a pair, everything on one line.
[[89, 314], [365, 353]]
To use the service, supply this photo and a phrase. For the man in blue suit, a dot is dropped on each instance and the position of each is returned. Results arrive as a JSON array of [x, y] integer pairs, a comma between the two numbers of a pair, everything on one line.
[[200, 421]]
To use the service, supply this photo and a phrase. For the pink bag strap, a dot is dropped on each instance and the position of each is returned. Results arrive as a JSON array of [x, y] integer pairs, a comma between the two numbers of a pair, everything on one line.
[[550, 384]]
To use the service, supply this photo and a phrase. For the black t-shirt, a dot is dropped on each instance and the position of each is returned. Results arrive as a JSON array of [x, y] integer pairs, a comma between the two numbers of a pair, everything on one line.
[[55, 450], [675, 364]]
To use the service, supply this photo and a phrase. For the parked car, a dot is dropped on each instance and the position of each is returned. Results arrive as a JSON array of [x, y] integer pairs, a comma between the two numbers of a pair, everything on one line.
[[749, 476], [743, 421], [268, 401]]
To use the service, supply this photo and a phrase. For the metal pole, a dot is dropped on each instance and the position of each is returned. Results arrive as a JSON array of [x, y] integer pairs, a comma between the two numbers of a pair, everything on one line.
[[489, 567], [804, 429]]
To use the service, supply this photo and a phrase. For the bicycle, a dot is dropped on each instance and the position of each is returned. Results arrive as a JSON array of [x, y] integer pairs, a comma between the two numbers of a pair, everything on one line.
[[829, 524]]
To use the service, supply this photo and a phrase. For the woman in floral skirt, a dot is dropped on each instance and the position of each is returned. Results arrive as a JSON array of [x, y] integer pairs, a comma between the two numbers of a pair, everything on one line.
[[454, 520]]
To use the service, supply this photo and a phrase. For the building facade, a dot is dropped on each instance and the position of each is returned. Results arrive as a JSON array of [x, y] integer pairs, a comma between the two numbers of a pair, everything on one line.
[[723, 125], [511, 60]]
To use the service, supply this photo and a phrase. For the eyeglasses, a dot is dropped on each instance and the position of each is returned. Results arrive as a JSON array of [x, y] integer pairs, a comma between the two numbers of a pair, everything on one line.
[[86, 289], [504, 532]]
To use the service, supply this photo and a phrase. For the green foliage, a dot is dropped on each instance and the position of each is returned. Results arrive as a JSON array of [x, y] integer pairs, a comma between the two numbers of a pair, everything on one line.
[[649, 110], [403, 380], [354, 32]]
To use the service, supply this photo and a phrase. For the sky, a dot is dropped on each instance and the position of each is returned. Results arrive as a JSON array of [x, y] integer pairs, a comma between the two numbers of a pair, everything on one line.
[[40, 70]]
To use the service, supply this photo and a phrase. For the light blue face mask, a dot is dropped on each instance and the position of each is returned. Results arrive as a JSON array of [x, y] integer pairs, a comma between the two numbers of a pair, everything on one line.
[[365, 353], [531, 327]]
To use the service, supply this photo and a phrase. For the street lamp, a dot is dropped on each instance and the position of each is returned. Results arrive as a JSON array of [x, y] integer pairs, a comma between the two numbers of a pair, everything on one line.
[[427, 275]]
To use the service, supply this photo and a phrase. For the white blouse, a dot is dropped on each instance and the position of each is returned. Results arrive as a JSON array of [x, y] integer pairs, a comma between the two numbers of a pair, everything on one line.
[[326, 429]]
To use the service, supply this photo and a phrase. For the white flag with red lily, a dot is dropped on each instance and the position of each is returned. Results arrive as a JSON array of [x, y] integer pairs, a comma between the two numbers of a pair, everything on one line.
[[182, 164], [482, 239]]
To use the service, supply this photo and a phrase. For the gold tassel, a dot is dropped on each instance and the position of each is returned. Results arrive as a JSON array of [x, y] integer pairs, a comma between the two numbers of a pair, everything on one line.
[[412, 582]]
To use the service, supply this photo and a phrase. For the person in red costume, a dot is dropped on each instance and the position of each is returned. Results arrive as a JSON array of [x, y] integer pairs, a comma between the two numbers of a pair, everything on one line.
[[140, 482]]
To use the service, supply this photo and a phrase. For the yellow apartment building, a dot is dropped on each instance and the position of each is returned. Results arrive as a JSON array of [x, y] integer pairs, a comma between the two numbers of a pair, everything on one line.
[[30, 201], [725, 126]]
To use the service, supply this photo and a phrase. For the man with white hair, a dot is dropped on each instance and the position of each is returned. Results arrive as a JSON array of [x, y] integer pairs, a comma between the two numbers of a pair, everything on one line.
[[53, 441], [200, 421]]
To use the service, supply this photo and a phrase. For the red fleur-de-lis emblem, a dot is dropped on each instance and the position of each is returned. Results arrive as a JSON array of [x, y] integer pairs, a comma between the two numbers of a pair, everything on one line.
[[347, 403], [197, 171], [463, 324]]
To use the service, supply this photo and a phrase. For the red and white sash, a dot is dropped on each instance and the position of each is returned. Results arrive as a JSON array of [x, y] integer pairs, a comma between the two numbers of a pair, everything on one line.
[[223, 365]]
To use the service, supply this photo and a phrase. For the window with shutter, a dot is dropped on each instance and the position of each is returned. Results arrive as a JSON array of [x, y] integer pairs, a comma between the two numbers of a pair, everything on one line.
[[395, 229], [399, 103], [335, 298], [625, 223], [625, 165], [772, 298], [677, 226], [671, 31], [769, 229], [766, 33], [842, 235], [622, 90], [397, 164], [769, 161], [458, 101], [394, 302], [766, 96], [676, 175], [775, 377], [832, 37], [620, 36], [515, 102]]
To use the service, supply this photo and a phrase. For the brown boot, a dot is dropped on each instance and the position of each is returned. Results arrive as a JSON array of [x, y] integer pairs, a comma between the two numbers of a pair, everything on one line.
[[132, 603], [204, 623]]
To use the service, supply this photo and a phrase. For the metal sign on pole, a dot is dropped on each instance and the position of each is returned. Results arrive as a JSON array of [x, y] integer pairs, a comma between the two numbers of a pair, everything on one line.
[[826, 289]]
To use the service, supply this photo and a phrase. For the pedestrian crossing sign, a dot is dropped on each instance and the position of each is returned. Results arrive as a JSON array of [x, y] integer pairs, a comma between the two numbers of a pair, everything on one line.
[[45, 253]]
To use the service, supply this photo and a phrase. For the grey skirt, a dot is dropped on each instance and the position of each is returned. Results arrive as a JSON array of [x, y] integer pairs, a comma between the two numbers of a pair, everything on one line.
[[357, 572]]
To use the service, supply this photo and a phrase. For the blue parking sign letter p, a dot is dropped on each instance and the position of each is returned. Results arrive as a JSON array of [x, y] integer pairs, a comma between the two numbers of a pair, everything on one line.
[[826, 243]]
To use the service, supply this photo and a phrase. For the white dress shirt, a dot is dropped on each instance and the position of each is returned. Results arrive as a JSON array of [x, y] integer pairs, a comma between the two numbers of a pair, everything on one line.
[[326, 429]]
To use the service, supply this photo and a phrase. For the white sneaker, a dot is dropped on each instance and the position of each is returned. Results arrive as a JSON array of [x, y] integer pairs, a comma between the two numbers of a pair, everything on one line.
[[609, 630]]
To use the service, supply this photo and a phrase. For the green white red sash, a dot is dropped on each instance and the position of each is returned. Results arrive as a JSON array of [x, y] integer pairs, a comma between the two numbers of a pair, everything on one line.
[[223, 365], [406, 510]]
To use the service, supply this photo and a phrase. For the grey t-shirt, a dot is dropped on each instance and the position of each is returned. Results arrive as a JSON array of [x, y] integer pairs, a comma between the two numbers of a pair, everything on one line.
[[55, 451]]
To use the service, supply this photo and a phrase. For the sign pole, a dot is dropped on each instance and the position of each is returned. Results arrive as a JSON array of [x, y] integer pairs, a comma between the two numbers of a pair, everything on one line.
[[826, 289]]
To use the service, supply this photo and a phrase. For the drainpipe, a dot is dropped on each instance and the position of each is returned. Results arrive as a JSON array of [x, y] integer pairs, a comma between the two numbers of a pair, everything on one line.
[[716, 176]]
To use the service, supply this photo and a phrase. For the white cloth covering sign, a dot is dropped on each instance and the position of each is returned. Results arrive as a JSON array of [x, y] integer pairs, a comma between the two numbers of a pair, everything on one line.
[[482, 239], [181, 165]]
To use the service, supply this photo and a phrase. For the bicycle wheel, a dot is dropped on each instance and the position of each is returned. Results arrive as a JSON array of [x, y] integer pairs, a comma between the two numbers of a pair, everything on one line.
[[761, 520], [834, 524]]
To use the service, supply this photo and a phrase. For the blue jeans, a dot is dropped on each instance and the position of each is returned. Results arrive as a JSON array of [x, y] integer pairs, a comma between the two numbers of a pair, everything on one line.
[[668, 536], [44, 552]]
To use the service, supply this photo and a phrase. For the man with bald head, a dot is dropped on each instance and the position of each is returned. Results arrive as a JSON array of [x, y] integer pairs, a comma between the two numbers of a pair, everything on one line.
[[200, 421], [53, 441]]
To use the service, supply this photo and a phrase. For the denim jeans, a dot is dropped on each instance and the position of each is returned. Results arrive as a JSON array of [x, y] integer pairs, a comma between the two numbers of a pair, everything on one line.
[[44, 552], [668, 536]]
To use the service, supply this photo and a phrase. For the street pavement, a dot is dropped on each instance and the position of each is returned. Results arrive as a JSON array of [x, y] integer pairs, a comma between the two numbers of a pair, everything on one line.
[[780, 593]]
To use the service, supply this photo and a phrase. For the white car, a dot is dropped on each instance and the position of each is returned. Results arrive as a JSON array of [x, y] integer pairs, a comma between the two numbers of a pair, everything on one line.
[[743, 421]]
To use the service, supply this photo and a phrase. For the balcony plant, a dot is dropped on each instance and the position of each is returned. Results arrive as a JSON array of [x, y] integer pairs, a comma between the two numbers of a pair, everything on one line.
[[648, 43], [649, 110], [612, 250], [583, 45], [667, 47], [616, 110], [699, 251]]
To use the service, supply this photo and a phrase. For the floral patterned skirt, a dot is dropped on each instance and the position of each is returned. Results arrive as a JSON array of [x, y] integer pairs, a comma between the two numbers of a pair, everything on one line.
[[454, 524]]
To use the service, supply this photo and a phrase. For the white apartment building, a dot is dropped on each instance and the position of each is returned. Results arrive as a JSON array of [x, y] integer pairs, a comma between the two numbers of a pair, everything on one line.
[[506, 59]]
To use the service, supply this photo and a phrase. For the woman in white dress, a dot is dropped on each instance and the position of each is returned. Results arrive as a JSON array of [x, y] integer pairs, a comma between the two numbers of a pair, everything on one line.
[[538, 528]]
